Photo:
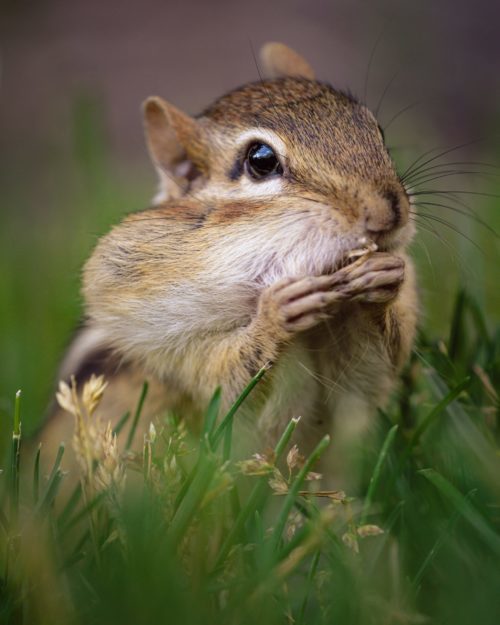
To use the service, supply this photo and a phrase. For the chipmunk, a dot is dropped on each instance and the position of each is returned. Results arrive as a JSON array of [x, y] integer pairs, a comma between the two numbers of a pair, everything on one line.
[[278, 236]]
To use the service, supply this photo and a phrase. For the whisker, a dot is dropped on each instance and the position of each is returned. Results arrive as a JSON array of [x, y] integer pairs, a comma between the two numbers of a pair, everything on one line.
[[453, 163], [444, 174], [422, 244], [401, 147], [460, 203], [399, 113], [257, 67], [449, 225], [452, 166], [458, 191], [370, 61], [461, 212], [329, 384], [411, 168], [452, 197], [385, 91], [350, 364], [308, 199], [426, 227]]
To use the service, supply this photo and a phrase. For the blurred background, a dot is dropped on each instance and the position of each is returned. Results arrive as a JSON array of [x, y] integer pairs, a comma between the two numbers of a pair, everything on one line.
[[73, 161]]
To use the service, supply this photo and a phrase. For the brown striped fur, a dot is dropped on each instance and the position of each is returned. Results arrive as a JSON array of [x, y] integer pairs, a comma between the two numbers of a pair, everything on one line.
[[224, 274]]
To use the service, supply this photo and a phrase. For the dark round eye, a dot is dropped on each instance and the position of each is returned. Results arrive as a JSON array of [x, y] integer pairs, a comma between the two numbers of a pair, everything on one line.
[[261, 161]]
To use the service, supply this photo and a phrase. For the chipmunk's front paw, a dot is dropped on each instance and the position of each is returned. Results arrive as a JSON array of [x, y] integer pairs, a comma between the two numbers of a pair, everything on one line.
[[376, 278], [297, 304]]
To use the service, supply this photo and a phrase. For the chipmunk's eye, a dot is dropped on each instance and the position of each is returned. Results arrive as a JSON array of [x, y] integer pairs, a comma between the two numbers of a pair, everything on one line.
[[261, 161]]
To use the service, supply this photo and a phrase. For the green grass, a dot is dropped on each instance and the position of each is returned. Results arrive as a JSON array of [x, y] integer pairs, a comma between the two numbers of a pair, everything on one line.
[[197, 537], [49, 222], [194, 538], [55, 203]]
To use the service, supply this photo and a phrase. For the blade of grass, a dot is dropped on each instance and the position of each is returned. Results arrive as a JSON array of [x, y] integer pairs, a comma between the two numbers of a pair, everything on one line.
[[256, 499], [234, 501], [77, 554], [211, 414], [4, 522], [212, 441], [17, 414], [73, 500], [51, 492], [479, 319], [54, 479], [300, 535], [444, 535], [463, 505], [308, 586], [121, 423], [137, 415], [15, 461], [186, 484], [394, 517], [79, 516], [228, 439], [276, 574], [209, 422], [36, 475], [472, 437], [192, 499], [226, 455], [377, 471], [311, 511], [219, 431], [436, 411], [456, 340], [293, 492]]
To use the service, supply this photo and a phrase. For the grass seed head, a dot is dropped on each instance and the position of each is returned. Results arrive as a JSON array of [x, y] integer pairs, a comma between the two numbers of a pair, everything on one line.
[[95, 445], [110, 472], [93, 391], [65, 398]]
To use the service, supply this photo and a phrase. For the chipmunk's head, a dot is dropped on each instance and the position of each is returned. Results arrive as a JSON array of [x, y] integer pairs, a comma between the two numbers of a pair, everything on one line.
[[288, 143], [285, 177]]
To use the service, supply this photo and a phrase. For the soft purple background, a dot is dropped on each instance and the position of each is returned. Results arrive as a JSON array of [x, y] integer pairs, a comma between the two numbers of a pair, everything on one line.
[[446, 52]]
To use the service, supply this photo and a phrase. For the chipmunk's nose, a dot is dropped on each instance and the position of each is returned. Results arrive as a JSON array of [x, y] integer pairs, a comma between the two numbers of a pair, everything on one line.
[[386, 211]]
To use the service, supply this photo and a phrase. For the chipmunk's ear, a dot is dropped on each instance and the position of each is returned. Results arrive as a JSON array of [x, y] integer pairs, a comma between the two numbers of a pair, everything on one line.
[[176, 145], [280, 60]]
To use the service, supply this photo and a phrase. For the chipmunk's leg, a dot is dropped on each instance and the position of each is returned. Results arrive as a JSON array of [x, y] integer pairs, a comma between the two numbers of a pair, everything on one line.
[[387, 314]]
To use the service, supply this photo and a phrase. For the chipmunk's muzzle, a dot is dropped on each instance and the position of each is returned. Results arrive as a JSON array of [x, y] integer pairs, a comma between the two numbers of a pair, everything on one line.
[[385, 212]]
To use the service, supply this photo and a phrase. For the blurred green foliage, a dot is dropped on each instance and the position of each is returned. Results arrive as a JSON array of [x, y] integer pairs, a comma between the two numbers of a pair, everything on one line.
[[47, 229], [195, 537], [192, 550], [50, 220]]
